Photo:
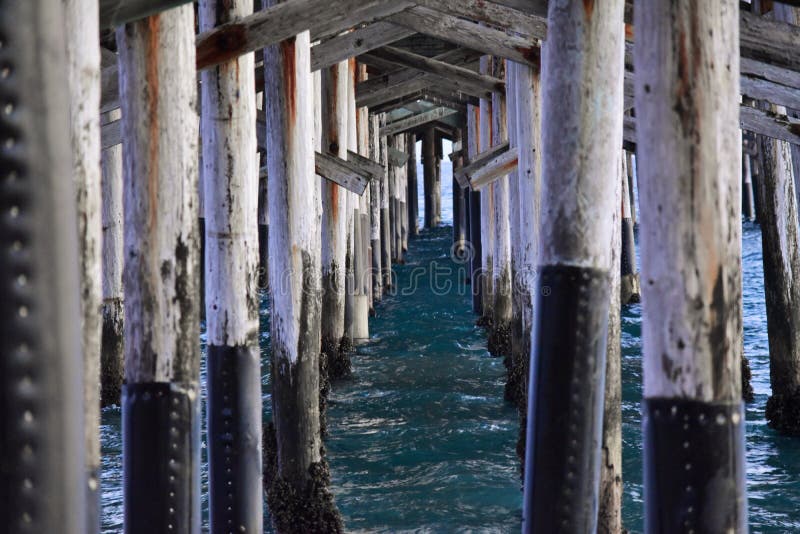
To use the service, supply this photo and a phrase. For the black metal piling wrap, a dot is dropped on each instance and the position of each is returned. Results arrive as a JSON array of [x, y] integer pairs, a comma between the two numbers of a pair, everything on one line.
[[234, 437], [161, 457], [566, 400], [694, 466]]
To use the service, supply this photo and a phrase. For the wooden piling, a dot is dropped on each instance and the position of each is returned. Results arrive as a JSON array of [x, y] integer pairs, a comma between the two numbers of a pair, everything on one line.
[[629, 282], [687, 83], [230, 178], [42, 444], [363, 256], [386, 225], [476, 273], [748, 196], [160, 407], [296, 473], [500, 333], [581, 139], [334, 220], [777, 216], [630, 163], [459, 207], [399, 208], [402, 191], [413, 199], [485, 141], [429, 176], [375, 210]]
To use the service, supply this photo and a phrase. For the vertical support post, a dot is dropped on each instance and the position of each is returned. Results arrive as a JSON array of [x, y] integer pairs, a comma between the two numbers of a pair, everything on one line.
[[630, 171], [42, 444], [500, 333], [581, 139], [160, 406], [402, 191], [386, 230], [334, 223], [459, 209], [83, 69], [297, 477], [429, 176], [393, 142], [487, 209], [688, 142], [748, 199], [476, 272], [230, 177], [399, 182], [112, 368], [363, 296], [629, 282], [609, 513], [263, 226], [375, 210], [412, 197], [529, 173]]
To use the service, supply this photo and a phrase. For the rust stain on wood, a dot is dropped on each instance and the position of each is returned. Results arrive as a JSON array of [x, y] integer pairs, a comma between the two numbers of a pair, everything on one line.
[[334, 202], [288, 58], [152, 86], [588, 8], [532, 54], [225, 43], [629, 32]]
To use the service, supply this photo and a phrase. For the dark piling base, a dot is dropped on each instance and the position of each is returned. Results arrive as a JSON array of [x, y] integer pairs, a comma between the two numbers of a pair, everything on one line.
[[338, 357], [499, 342], [747, 387], [629, 289], [783, 413], [324, 391], [112, 369], [309, 510]]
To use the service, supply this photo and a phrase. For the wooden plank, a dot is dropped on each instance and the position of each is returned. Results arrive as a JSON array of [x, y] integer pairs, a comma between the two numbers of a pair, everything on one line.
[[769, 41], [492, 13], [117, 12], [345, 173], [367, 166], [397, 158], [501, 165], [469, 34], [416, 120], [356, 42], [770, 124], [462, 175], [283, 21], [461, 78]]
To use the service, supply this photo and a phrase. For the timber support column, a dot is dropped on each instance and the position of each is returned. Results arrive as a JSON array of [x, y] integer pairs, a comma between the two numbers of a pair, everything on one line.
[[42, 458], [412, 198], [485, 142], [476, 272], [112, 368], [386, 216], [687, 106], [748, 198], [429, 176], [230, 178], [581, 140], [83, 68], [500, 333], [334, 221], [459, 208], [375, 212], [629, 288], [296, 476], [160, 406]]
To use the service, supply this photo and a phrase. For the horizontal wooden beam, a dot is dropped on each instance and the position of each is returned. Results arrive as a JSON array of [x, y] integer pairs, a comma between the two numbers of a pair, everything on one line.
[[769, 41], [499, 166], [470, 34], [417, 120], [117, 12], [457, 77], [480, 160], [346, 173], [368, 167], [357, 42], [495, 14], [285, 20], [397, 158]]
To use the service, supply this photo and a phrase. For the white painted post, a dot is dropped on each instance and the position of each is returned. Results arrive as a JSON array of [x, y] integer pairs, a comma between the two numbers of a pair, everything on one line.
[[688, 155], [160, 406]]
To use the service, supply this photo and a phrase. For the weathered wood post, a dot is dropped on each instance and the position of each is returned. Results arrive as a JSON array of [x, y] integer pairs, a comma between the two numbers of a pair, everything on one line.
[[361, 288], [630, 168], [500, 334], [42, 458], [263, 226], [392, 143], [609, 512], [629, 282], [402, 192], [777, 216], [296, 474], [748, 197], [399, 208], [334, 221], [375, 210], [413, 199], [581, 139], [386, 216], [515, 239], [160, 406], [487, 209], [429, 176], [112, 368], [83, 69], [687, 106], [459, 208], [365, 205], [230, 178], [527, 85], [476, 243]]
